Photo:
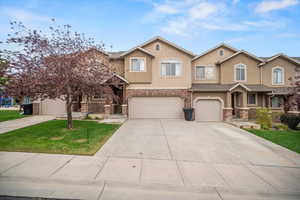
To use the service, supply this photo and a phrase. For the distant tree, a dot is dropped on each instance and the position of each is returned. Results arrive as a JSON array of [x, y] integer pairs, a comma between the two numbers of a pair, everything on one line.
[[54, 65]]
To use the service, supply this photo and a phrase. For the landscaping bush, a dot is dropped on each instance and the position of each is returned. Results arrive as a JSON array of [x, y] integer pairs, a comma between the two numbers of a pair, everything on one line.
[[264, 117], [291, 121], [281, 127]]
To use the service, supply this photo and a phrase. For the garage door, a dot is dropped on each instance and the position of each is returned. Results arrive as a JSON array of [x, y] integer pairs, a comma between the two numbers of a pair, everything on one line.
[[156, 107], [53, 107], [208, 110]]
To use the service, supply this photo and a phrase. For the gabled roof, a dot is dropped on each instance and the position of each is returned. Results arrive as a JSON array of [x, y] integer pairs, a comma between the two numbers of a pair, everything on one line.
[[239, 52], [216, 47], [167, 42], [280, 55], [115, 55], [118, 76], [241, 85], [137, 48]]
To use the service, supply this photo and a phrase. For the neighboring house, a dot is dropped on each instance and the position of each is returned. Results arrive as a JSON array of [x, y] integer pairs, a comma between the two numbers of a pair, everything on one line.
[[159, 79]]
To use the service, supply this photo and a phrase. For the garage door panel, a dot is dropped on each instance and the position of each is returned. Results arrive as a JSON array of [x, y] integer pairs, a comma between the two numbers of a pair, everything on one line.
[[208, 110], [53, 107], [156, 107]]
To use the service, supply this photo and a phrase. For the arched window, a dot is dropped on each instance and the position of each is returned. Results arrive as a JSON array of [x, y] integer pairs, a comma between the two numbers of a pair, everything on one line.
[[240, 72], [157, 47], [221, 52], [278, 76]]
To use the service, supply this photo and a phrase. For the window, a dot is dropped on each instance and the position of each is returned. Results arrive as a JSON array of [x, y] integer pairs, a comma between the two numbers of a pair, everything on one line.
[[276, 102], [221, 52], [137, 65], [205, 72], [252, 99], [278, 76], [240, 72], [157, 47], [170, 68]]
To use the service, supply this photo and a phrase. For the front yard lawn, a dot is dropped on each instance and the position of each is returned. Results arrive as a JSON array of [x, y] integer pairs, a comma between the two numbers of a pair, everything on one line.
[[289, 138], [86, 138], [6, 115]]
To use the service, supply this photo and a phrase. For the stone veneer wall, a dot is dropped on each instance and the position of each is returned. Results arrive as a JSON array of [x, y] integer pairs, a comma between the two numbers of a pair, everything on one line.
[[183, 93]]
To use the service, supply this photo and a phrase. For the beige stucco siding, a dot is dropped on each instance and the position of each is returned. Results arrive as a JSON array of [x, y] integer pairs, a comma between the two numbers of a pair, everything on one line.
[[210, 59], [167, 52], [138, 77], [289, 72], [117, 65], [252, 71]]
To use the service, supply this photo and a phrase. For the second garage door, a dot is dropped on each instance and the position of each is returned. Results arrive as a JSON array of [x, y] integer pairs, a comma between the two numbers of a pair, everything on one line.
[[208, 110], [156, 107], [55, 107]]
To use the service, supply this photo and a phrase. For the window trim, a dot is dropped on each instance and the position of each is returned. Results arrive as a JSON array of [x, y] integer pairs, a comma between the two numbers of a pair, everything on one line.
[[271, 105], [234, 71], [171, 60], [130, 62], [254, 104], [215, 74], [283, 74]]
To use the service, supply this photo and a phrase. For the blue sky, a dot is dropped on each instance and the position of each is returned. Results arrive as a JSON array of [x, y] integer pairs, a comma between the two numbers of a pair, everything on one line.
[[263, 27]]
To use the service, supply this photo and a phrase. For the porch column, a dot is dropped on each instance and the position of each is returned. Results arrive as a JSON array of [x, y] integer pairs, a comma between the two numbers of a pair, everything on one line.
[[227, 110], [244, 110], [107, 110], [84, 105]]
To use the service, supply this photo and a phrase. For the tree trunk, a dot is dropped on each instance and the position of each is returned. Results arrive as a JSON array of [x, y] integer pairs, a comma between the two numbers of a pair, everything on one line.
[[69, 112]]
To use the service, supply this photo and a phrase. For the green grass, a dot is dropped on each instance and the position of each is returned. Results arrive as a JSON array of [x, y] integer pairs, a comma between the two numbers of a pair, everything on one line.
[[86, 138], [6, 115], [289, 138]]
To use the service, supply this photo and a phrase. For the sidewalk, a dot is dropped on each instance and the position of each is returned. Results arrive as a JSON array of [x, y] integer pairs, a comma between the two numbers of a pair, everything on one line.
[[11, 125]]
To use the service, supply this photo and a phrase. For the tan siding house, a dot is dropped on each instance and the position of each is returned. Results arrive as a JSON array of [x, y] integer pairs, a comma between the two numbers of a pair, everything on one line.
[[158, 79]]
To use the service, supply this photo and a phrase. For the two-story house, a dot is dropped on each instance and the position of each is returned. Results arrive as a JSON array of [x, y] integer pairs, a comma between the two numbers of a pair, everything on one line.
[[160, 79]]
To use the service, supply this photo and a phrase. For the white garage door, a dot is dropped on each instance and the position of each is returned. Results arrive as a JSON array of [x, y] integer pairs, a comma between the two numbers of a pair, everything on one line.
[[156, 107], [53, 107], [208, 110]]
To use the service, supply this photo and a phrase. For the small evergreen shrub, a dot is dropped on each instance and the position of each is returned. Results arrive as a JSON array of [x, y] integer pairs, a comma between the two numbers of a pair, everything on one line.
[[291, 121], [264, 117]]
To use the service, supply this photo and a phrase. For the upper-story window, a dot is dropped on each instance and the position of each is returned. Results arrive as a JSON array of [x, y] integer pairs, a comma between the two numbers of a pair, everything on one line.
[[205, 72], [278, 76], [137, 65], [221, 52], [240, 72], [170, 68]]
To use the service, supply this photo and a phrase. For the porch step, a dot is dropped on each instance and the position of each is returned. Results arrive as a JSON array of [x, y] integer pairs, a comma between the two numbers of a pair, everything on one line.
[[244, 124]]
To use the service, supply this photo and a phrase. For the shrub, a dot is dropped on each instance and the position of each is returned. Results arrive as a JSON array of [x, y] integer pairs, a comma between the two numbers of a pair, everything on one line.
[[264, 117], [281, 127], [291, 121]]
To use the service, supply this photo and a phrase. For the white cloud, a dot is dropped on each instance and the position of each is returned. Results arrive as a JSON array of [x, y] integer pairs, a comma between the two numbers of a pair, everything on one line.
[[166, 9], [191, 17], [202, 10], [23, 15], [267, 6]]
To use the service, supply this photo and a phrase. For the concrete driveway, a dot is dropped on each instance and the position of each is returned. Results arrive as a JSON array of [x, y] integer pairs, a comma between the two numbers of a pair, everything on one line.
[[162, 159]]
